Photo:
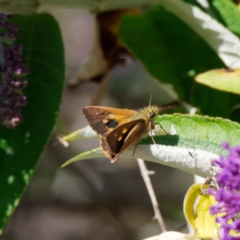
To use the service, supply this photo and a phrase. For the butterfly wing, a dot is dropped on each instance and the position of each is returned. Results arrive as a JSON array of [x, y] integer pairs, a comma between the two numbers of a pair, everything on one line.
[[103, 120], [122, 137]]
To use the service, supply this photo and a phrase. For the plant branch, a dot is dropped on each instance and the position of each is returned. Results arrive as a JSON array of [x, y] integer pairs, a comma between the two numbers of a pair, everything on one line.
[[145, 174]]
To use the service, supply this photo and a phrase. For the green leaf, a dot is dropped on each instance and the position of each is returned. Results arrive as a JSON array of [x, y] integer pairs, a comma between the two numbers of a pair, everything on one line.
[[230, 14], [174, 54], [224, 80], [21, 148], [144, 39], [202, 132], [192, 148]]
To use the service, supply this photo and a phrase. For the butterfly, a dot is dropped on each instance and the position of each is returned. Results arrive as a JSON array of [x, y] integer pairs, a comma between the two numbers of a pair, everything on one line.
[[120, 128]]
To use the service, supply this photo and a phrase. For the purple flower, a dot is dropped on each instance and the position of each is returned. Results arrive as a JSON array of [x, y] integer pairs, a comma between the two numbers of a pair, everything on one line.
[[12, 71], [228, 193]]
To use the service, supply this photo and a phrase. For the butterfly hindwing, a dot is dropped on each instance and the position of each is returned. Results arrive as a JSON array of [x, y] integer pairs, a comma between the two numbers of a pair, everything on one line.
[[122, 137]]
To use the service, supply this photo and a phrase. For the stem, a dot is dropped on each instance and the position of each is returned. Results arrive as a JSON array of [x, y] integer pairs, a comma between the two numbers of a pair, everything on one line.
[[145, 174]]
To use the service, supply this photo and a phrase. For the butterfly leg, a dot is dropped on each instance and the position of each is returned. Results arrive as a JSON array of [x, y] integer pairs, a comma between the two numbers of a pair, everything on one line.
[[152, 135], [163, 129], [135, 149]]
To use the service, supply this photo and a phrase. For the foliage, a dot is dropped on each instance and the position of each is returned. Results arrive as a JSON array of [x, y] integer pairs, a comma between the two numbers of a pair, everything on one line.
[[20, 148], [175, 47]]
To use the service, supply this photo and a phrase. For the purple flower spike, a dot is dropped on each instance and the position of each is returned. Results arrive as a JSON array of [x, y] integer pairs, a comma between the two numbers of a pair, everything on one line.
[[12, 70], [228, 193]]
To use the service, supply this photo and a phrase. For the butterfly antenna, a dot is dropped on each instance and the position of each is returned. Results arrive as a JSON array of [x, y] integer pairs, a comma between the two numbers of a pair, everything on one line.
[[150, 101], [169, 107]]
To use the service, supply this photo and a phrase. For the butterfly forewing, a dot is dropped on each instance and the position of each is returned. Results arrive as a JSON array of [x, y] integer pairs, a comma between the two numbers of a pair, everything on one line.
[[103, 121]]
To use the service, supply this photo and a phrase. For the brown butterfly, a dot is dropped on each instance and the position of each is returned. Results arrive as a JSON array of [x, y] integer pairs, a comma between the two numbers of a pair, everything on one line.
[[120, 128]]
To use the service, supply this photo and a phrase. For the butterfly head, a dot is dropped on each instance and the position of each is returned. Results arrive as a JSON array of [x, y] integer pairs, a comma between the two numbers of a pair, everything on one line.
[[151, 112]]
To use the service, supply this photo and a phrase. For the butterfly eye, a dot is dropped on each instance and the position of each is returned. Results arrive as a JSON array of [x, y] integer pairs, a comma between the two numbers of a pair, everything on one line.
[[112, 123], [152, 114]]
